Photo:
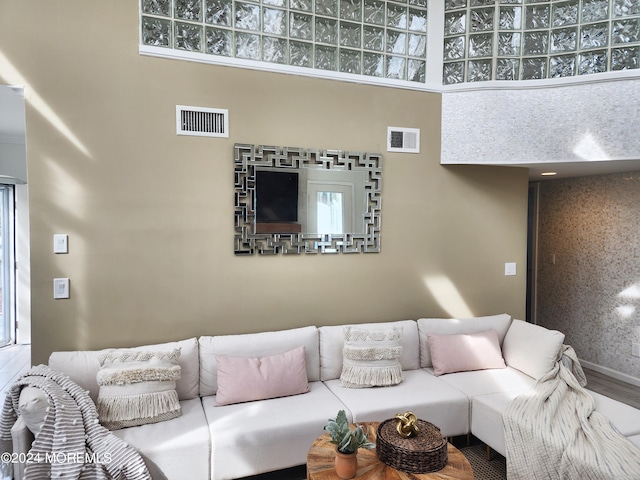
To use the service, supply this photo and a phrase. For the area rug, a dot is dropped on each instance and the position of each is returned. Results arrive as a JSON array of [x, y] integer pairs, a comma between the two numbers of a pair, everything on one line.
[[483, 468]]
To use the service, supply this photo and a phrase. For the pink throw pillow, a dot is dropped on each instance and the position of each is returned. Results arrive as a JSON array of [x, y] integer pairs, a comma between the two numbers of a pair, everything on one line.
[[245, 379], [465, 352]]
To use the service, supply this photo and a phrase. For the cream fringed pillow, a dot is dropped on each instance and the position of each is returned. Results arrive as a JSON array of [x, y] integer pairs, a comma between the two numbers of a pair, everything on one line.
[[371, 357], [137, 387]]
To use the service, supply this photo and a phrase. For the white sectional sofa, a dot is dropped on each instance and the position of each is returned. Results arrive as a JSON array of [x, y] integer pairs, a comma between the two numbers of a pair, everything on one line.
[[232, 441]]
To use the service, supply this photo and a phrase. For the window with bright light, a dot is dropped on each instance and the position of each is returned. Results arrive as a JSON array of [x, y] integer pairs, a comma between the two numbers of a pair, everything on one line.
[[7, 272], [330, 213], [537, 39], [373, 38]]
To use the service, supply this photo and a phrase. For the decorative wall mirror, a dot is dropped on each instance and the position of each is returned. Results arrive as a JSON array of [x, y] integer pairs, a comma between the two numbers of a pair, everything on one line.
[[293, 200]]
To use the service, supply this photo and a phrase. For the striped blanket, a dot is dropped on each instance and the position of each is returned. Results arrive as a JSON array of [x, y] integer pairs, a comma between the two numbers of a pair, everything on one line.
[[71, 444], [556, 434]]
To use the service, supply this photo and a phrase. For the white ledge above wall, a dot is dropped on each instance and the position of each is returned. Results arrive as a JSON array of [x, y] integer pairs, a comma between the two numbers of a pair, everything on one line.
[[434, 77]]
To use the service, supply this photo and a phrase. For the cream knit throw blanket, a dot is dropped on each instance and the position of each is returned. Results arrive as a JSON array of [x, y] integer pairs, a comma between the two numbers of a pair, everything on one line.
[[556, 434], [71, 444]]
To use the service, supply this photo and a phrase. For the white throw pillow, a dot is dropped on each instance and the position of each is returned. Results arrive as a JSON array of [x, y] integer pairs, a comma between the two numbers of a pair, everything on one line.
[[532, 349], [370, 357], [137, 387]]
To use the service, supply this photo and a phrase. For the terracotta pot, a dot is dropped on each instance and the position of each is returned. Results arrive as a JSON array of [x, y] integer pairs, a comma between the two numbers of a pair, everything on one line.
[[346, 464]]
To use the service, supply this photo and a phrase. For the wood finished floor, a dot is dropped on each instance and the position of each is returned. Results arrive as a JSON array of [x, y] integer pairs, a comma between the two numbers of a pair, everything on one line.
[[14, 361]]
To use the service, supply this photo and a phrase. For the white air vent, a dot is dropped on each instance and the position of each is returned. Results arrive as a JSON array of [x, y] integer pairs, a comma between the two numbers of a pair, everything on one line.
[[202, 122], [403, 140]]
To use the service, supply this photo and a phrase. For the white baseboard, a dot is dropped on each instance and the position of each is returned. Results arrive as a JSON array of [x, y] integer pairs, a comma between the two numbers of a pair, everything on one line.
[[623, 377]]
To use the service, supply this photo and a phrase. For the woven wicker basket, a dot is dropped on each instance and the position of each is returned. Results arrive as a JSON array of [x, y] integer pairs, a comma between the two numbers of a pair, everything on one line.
[[424, 453]]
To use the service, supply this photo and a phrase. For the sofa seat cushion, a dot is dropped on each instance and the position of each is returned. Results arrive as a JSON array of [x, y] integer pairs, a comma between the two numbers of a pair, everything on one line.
[[258, 437], [623, 417], [177, 448], [483, 382], [486, 417], [427, 396]]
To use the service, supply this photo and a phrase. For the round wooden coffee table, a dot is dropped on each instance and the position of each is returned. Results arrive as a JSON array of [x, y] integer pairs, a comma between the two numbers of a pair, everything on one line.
[[320, 462]]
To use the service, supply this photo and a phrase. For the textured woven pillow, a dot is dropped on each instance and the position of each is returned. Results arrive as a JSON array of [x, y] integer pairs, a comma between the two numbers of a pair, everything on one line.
[[371, 357], [137, 387]]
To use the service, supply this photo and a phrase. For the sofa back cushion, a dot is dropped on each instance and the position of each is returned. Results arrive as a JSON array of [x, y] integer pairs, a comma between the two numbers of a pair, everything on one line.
[[256, 345], [332, 345], [532, 349], [82, 366], [451, 326]]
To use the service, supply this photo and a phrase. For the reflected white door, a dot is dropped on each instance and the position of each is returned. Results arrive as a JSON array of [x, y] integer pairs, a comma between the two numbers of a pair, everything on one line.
[[330, 208]]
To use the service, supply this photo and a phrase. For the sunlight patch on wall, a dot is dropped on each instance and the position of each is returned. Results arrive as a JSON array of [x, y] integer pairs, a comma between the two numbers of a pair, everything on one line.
[[589, 149], [13, 77], [626, 311], [65, 191], [629, 293], [448, 296], [632, 292]]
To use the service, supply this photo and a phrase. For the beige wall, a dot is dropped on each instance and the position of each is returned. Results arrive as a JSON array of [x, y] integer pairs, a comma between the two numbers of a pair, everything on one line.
[[149, 214]]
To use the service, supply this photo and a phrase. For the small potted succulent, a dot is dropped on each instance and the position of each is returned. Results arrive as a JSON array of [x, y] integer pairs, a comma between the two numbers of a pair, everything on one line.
[[347, 441]]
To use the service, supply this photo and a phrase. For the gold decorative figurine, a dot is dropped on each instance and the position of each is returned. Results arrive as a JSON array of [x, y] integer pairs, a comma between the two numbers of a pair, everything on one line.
[[407, 424]]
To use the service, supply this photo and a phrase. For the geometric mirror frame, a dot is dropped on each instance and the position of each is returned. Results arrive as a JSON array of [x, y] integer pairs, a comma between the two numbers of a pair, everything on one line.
[[250, 237]]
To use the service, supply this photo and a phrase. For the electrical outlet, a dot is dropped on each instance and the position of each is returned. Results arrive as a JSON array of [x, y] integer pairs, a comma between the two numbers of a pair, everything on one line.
[[510, 269], [60, 243], [60, 288], [635, 349]]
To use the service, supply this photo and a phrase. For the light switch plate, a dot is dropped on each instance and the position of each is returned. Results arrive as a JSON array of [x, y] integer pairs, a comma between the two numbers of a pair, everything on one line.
[[60, 288], [60, 243], [510, 269]]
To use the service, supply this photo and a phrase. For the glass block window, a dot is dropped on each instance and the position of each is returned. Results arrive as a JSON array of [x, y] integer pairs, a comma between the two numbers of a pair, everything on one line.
[[377, 38], [537, 39]]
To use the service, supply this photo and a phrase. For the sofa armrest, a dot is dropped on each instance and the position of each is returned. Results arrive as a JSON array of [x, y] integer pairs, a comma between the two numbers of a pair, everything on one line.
[[22, 439]]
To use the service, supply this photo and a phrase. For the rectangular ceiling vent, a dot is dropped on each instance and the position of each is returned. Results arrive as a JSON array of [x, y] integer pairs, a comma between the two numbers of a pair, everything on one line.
[[405, 140], [202, 122]]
